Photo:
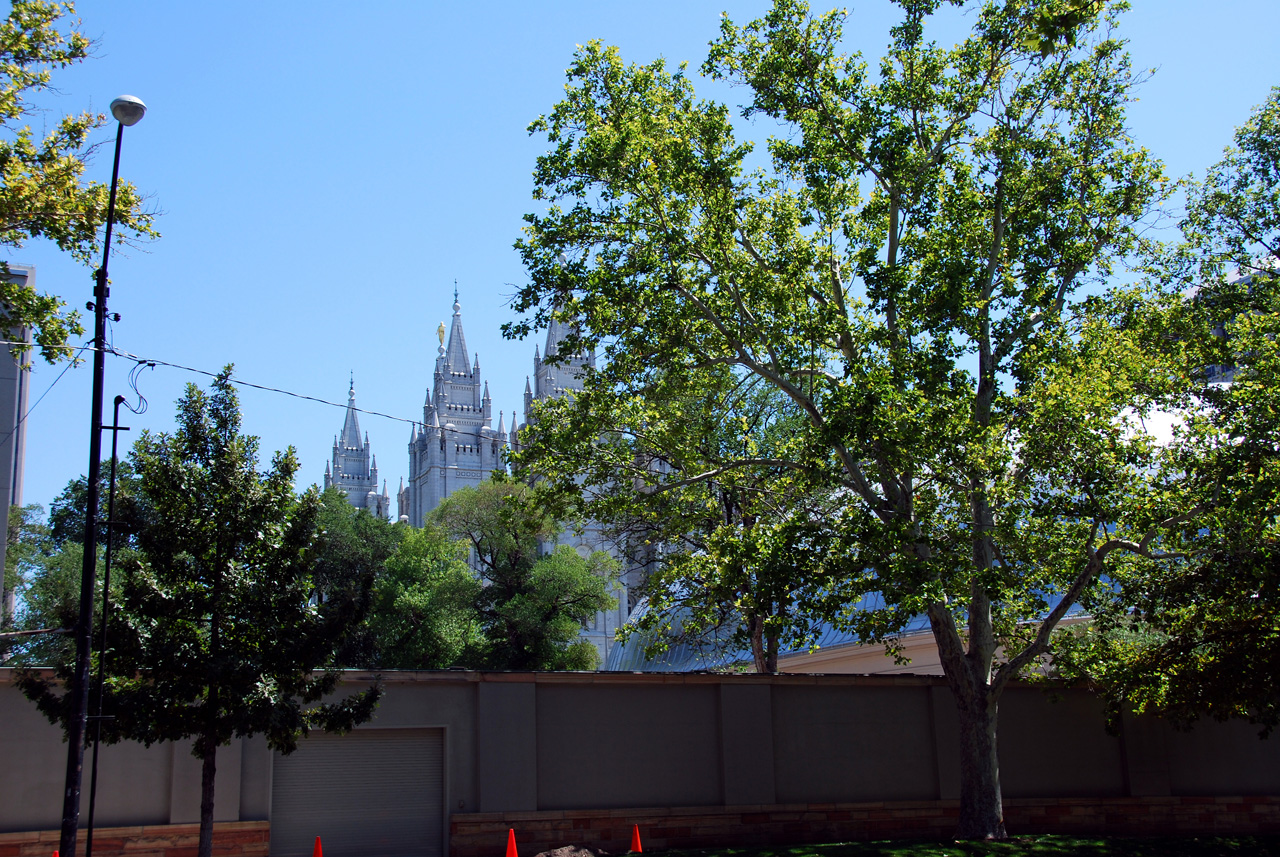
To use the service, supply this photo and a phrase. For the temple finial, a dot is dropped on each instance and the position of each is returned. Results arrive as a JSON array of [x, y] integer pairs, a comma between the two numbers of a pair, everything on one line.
[[455, 290]]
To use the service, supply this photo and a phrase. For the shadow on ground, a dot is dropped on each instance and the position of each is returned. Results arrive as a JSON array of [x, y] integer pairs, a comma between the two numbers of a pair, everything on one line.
[[1025, 846]]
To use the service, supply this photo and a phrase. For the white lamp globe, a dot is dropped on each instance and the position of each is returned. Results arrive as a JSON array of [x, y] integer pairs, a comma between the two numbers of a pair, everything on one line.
[[128, 110]]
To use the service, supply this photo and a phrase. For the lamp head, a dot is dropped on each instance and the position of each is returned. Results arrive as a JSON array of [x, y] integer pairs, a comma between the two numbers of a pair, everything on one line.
[[128, 109]]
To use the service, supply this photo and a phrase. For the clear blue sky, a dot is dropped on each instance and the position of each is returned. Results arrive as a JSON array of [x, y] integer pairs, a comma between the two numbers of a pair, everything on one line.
[[327, 170]]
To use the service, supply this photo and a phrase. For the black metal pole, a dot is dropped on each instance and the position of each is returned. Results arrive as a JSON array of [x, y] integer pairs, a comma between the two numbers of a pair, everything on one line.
[[102, 624], [79, 690]]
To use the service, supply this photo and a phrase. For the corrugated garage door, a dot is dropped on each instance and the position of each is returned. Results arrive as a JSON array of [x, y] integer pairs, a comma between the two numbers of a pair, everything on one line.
[[370, 793]]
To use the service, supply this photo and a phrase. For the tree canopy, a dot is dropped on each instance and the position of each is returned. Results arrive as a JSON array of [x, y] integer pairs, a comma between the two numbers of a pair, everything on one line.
[[922, 268], [1200, 636], [532, 605], [67, 512], [423, 614], [42, 591], [352, 547], [44, 193]]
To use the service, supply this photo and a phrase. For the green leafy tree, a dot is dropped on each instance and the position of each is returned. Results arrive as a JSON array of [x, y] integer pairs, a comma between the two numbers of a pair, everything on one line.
[[44, 194], [22, 539], [424, 606], [45, 562], [49, 587], [906, 270], [532, 606], [421, 610], [1233, 217], [217, 632], [27, 601], [1200, 636], [67, 512]]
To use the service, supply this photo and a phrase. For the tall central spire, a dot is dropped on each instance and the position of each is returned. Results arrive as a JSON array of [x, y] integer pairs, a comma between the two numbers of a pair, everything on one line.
[[455, 444], [455, 356], [351, 426]]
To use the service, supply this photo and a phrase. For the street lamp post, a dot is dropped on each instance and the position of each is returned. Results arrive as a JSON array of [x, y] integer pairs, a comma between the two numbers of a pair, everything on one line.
[[127, 110]]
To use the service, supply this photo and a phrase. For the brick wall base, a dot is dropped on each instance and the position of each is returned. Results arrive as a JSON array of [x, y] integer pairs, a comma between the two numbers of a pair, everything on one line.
[[484, 834], [230, 839]]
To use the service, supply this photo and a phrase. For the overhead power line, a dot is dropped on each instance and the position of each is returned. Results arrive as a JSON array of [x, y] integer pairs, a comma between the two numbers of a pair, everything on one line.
[[119, 353], [36, 404], [156, 362]]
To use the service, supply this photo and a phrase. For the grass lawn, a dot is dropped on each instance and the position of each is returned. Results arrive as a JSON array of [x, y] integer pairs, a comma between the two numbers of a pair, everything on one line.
[[1031, 846]]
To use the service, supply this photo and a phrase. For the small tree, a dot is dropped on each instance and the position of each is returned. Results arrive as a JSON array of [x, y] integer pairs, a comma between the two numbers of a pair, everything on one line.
[[218, 632], [532, 606]]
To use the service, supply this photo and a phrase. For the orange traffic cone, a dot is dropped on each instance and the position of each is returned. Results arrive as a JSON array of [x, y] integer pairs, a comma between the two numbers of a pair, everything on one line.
[[635, 839], [317, 851], [511, 842]]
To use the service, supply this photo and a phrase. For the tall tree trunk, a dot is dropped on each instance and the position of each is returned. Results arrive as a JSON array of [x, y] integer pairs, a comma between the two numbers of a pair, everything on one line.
[[207, 772], [755, 629], [771, 652], [969, 677], [981, 806]]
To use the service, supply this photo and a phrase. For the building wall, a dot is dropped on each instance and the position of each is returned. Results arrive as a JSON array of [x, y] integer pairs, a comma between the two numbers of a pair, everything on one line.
[[534, 746], [14, 384], [918, 647]]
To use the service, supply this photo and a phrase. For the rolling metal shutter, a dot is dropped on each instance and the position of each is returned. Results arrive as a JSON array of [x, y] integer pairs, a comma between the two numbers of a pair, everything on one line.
[[371, 792]]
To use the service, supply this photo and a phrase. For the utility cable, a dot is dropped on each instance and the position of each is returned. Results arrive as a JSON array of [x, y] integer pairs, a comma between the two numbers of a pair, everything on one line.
[[134, 375], [148, 360], [70, 363]]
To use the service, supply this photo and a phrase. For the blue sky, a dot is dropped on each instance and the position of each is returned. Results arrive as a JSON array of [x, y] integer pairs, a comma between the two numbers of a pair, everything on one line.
[[325, 171]]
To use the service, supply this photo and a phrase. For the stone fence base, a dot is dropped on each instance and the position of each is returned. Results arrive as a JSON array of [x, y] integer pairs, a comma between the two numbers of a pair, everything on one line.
[[484, 834], [230, 839]]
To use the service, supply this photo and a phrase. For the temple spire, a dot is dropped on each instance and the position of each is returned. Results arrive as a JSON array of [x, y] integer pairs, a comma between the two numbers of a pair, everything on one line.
[[455, 355], [351, 426], [354, 470], [555, 332]]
